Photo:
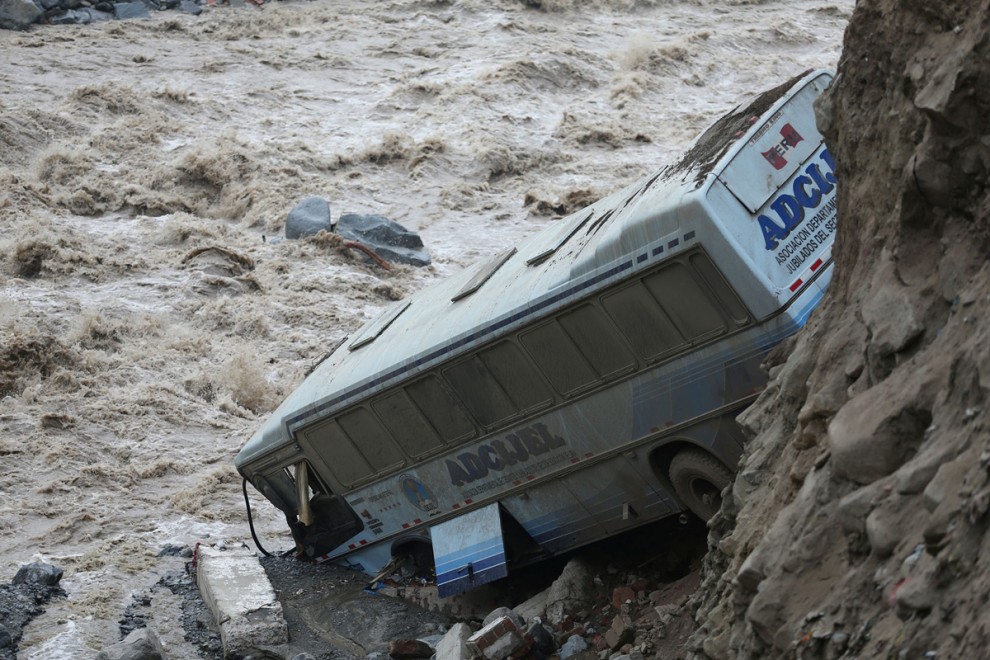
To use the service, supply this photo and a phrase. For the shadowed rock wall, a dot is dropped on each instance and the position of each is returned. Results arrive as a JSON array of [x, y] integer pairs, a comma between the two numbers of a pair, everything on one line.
[[857, 524]]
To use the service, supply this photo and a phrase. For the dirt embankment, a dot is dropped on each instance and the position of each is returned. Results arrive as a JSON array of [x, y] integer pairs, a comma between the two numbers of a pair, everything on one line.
[[857, 525]]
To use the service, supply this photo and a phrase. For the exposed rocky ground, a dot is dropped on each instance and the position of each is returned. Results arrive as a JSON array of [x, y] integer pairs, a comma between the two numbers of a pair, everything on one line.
[[857, 524]]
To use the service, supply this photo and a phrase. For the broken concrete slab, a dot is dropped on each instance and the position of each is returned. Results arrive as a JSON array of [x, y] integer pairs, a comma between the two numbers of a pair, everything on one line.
[[236, 589]]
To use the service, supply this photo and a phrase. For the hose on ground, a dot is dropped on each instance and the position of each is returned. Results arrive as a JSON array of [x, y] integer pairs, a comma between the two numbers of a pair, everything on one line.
[[247, 505]]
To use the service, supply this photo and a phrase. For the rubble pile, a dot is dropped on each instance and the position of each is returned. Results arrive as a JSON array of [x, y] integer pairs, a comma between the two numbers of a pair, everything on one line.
[[616, 614], [857, 524]]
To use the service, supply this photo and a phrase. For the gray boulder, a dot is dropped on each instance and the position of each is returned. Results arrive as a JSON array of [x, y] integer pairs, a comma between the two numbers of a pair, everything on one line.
[[82, 16], [141, 644], [125, 10], [571, 591], [18, 14], [309, 217], [388, 239], [38, 573]]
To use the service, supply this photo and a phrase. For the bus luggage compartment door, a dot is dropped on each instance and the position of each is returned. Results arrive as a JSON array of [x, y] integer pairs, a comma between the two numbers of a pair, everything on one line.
[[469, 551]]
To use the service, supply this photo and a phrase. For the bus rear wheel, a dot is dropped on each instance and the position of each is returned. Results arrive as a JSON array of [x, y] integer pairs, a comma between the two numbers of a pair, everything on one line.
[[699, 478]]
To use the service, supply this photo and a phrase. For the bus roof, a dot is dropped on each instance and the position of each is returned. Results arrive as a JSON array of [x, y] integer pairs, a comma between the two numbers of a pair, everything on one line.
[[584, 251]]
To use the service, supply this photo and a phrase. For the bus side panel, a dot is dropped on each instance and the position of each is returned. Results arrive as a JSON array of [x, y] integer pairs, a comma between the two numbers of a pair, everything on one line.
[[617, 496], [553, 517]]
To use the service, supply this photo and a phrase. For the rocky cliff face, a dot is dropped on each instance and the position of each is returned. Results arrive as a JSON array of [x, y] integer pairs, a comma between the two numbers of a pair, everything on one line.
[[857, 524]]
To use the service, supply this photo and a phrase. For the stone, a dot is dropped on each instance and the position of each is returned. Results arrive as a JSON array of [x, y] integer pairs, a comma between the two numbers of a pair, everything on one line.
[[236, 589], [6, 639], [18, 14], [920, 470], [945, 485], [82, 16], [543, 639], [621, 632], [854, 507], [884, 531], [390, 240], [497, 640], [500, 612], [127, 10], [454, 645], [190, 7], [569, 592], [890, 316], [751, 573], [401, 649], [141, 644], [877, 431], [38, 573], [575, 644], [915, 596], [308, 217]]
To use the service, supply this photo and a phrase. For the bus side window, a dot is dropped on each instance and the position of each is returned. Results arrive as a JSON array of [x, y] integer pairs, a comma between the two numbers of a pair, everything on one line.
[[348, 466], [557, 357], [517, 376], [643, 323], [730, 301], [407, 424], [370, 438], [497, 384], [685, 302], [596, 339], [444, 413]]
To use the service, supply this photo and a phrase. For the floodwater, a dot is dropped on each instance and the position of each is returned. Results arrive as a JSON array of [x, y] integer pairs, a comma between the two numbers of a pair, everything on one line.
[[150, 317]]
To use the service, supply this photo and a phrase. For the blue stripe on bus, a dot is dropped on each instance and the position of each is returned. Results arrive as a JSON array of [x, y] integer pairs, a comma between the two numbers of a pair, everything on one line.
[[474, 552], [451, 585], [477, 566]]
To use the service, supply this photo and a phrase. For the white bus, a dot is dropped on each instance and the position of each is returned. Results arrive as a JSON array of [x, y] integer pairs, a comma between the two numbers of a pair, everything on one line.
[[577, 385]]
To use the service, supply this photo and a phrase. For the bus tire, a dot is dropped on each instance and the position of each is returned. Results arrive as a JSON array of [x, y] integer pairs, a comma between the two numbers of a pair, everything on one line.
[[699, 478]]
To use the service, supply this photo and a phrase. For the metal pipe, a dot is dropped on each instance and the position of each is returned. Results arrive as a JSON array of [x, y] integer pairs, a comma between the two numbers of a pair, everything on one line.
[[302, 493]]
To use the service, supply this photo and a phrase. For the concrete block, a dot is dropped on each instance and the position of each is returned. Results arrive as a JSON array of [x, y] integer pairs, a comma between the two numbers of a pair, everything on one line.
[[237, 591]]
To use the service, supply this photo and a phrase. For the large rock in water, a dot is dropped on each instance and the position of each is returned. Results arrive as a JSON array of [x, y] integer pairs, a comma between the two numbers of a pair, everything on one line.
[[18, 14], [389, 239], [308, 217]]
